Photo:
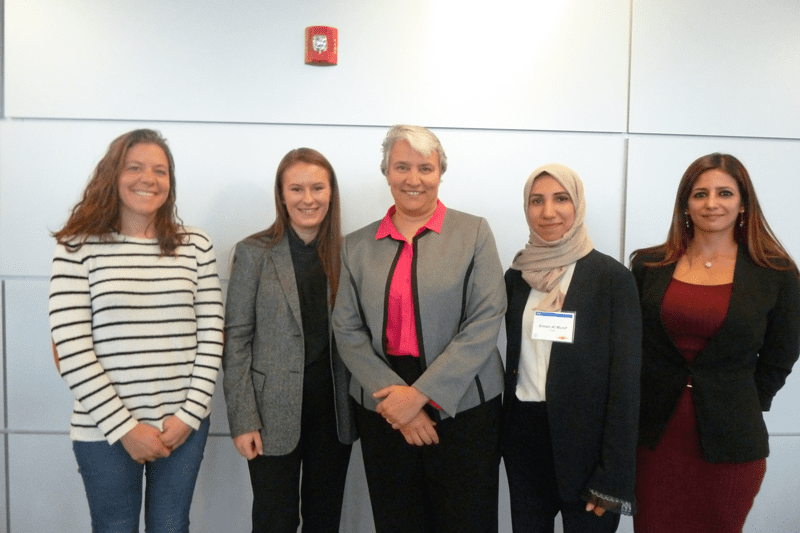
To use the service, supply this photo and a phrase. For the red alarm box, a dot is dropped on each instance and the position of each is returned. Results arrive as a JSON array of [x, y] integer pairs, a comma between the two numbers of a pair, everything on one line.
[[322, 43]]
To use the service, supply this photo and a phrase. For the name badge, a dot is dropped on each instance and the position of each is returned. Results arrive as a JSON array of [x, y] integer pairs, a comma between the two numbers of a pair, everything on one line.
[[556, 327]]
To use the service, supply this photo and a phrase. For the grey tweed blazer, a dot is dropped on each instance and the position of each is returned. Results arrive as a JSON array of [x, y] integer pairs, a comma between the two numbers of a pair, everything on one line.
[[264, 356]]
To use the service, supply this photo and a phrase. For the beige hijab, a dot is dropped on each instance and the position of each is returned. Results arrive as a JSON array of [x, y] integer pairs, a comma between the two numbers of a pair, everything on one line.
[[543, 263]]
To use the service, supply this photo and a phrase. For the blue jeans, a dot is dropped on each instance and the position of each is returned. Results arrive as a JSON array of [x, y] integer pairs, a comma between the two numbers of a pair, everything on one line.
[[113, 483]]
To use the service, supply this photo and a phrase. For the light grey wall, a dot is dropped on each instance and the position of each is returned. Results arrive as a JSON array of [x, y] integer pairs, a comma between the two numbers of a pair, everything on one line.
[[627, 93]]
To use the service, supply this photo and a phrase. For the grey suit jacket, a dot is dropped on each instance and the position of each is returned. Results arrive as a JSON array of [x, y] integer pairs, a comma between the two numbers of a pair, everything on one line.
[[459, 303], [264, 357]]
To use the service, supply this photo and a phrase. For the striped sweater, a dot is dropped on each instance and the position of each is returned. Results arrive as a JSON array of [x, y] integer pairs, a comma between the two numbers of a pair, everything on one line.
[[139, 336]]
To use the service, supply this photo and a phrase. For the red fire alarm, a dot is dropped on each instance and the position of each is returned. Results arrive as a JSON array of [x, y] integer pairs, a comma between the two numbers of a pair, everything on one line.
[[322, 43]]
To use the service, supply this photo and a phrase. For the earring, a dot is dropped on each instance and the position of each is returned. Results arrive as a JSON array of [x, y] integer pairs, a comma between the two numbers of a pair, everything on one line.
[[686, 213], [741, 219]]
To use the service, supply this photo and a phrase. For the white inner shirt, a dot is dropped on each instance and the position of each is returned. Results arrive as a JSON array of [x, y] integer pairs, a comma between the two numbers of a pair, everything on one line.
[[534, 357]]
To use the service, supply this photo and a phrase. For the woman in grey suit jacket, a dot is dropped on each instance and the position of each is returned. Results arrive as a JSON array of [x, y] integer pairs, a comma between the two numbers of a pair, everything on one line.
[[572, 397], [419, 308], [285, 386]]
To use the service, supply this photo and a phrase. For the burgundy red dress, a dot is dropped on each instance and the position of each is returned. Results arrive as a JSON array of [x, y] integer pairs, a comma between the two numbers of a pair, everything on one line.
[[676, 489]]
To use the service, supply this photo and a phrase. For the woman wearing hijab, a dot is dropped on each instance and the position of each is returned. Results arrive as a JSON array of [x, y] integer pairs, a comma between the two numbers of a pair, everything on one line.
[[572, 368]]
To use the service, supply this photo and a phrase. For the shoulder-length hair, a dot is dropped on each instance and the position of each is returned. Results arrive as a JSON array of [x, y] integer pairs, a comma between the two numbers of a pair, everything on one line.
[[329, 238], [97, 213], [751, 231]]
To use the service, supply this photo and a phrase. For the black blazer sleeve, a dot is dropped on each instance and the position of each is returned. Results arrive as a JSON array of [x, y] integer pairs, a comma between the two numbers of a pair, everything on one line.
[[781, 340]]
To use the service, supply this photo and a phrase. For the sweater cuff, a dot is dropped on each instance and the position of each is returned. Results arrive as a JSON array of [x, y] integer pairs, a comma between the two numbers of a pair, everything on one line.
[[121, 431], [188, 419]]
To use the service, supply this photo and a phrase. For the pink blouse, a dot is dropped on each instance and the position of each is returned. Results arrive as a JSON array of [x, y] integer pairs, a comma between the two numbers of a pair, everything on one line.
[[401, 327]]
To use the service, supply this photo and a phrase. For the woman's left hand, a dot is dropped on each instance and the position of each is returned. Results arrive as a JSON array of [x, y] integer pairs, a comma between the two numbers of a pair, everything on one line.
[[400, 404], [594, 506], [420, 431], [175, 432]]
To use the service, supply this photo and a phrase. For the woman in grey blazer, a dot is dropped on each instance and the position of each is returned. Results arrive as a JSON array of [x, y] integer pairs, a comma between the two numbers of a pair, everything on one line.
[[285, 386], [419, 308]]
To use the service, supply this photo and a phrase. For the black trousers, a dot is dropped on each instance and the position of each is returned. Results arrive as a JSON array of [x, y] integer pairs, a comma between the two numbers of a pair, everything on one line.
[[440, 488], [530, 468], [277, 487]]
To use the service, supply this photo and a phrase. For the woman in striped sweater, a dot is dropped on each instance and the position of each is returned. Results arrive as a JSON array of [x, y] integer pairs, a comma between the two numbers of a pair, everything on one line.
[[136, 321]]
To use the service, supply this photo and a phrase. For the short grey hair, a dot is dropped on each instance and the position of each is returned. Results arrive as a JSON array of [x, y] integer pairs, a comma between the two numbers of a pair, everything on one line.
[[421, 139]]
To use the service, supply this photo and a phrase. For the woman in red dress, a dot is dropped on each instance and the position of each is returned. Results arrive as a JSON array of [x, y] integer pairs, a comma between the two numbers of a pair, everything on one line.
[[721, 330]]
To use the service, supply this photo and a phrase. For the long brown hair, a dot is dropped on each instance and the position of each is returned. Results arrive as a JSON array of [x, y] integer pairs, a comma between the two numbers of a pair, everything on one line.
[[753, 232], [329, 238], [97, 213]]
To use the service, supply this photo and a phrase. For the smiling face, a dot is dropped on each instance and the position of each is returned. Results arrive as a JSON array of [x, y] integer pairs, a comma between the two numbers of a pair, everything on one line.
[[306, 193], [143, 188], [413, 179], [714, 202], [551, 212]]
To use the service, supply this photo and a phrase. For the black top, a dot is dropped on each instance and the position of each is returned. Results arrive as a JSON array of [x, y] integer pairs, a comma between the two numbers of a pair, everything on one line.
[[312, 289], [738, 372]]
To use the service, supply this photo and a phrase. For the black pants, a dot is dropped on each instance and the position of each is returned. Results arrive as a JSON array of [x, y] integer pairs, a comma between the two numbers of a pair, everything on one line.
[[447, 487], [530, 468], [276, 479]]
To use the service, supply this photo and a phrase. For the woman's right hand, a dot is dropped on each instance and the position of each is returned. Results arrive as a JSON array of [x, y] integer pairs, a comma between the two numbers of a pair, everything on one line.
[[249, 444], [143, 443], [420, 431]]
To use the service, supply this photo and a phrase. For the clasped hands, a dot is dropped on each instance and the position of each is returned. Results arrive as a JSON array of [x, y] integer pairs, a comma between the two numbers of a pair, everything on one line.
[[146, 443], [401, 406]]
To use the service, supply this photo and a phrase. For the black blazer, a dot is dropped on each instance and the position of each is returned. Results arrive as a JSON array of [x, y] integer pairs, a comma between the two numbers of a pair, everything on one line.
[[593, 384], [738, 373]]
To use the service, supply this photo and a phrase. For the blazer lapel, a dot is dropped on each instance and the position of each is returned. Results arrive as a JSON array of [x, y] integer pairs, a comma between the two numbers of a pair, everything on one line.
[[281, 257], [583, 270], [516, 308], [661, 280]]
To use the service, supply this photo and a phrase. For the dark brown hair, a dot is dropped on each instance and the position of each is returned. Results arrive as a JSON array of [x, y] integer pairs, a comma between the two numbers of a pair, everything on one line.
[[97, 213], [329, 238], [754, 234]]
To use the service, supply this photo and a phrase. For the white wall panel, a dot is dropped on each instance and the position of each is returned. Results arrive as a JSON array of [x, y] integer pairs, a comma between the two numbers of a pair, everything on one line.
[[655, 166], [38, 399], [225, 174], [523, 65], [223, 497], [2, 353], [487, 171], [3, 488], [45, 466], [716, 67], [46, 490], [356, 507], [774, 509]]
